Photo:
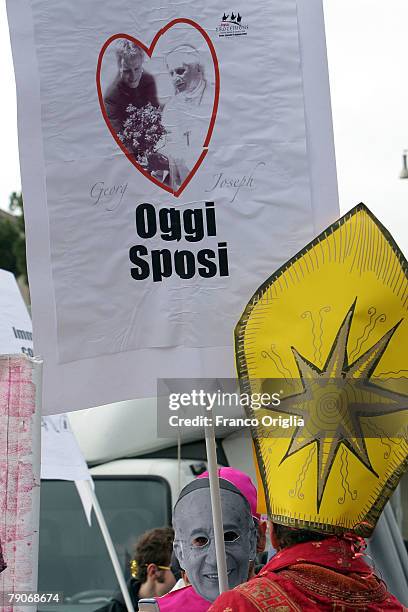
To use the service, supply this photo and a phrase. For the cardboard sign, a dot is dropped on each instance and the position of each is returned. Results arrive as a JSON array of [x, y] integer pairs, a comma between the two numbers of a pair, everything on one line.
[[171, 156]]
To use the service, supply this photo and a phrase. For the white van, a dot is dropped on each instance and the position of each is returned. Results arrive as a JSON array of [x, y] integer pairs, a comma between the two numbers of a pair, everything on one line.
[[137, 478]]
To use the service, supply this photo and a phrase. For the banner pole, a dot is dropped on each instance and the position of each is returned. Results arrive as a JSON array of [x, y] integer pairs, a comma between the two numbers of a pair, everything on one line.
[[216, 508], [111, 549], [36, 449]]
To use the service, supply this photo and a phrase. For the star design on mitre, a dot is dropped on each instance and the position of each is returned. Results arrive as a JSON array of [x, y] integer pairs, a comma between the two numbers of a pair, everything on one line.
[[335, 398]]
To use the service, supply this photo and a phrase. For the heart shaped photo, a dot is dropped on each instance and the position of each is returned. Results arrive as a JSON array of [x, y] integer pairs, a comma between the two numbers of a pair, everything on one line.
[[160, 102]]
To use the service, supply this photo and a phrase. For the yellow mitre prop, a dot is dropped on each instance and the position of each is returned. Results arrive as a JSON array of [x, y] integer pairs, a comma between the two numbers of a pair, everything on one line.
[[332, 325]]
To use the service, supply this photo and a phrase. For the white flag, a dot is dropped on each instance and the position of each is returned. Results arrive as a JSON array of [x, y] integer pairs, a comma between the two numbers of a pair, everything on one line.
[[62, 459]]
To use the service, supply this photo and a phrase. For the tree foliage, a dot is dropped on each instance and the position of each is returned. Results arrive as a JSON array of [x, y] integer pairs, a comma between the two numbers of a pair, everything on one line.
[[12, 238]]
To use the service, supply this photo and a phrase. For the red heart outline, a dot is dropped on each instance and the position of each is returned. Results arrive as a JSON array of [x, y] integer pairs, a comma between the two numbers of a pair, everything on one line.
[[149, 52]]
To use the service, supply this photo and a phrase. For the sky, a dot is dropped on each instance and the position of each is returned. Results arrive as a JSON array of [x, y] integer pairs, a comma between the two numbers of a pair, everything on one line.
[[368, 56], [367, 51]]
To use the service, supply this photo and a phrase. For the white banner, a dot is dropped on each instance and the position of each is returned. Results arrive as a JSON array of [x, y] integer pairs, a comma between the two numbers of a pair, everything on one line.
[[173, 155], [15, 324]]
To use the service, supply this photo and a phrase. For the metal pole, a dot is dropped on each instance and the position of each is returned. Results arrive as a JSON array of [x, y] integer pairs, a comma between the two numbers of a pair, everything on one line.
[[216, 507], [178, 462], [36, 454], [111, 549]]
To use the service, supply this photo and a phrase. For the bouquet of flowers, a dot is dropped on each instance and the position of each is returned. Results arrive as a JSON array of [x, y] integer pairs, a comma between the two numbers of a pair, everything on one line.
[[142, 132]]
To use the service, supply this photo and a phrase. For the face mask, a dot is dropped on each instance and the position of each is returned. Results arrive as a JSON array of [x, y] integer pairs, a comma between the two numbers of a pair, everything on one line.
[[195, 544]]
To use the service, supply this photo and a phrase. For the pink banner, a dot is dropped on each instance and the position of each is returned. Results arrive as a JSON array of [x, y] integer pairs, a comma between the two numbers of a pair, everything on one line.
[[19, 474]]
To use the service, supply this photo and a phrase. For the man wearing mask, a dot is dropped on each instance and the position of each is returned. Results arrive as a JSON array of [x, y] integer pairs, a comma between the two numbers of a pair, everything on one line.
[[194, 542]]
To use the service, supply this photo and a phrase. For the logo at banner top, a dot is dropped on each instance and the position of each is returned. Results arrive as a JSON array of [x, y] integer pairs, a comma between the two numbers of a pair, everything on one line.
[[166, 143], [231, 18], [231, 25]]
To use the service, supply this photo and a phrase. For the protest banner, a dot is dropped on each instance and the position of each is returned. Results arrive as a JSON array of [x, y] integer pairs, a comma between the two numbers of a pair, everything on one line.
[[15, 324], [171, 156]]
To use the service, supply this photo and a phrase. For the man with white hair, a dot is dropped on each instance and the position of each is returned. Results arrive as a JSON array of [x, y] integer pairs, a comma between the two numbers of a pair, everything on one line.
[[132, 84], [187, 114]]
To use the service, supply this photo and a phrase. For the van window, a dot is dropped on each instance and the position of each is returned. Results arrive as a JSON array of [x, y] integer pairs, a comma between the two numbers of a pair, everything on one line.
[[72, 557]]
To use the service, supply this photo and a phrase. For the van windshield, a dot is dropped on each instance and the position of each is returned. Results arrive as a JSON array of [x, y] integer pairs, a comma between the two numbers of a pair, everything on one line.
[[72, 556]]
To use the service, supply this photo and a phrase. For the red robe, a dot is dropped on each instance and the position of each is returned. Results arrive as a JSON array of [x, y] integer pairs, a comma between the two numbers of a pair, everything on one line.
[[323, 575]]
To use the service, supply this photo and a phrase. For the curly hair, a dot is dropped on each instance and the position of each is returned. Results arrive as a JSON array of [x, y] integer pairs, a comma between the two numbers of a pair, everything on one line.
[[288, 536], [125, 48], [154, 546]]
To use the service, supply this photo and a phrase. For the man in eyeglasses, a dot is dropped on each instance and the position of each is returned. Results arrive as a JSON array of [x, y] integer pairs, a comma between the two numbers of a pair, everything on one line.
[[194, 543], [150, 569]]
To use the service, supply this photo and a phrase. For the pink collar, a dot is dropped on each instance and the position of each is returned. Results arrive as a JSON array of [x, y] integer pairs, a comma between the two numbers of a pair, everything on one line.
[[183, 599]]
